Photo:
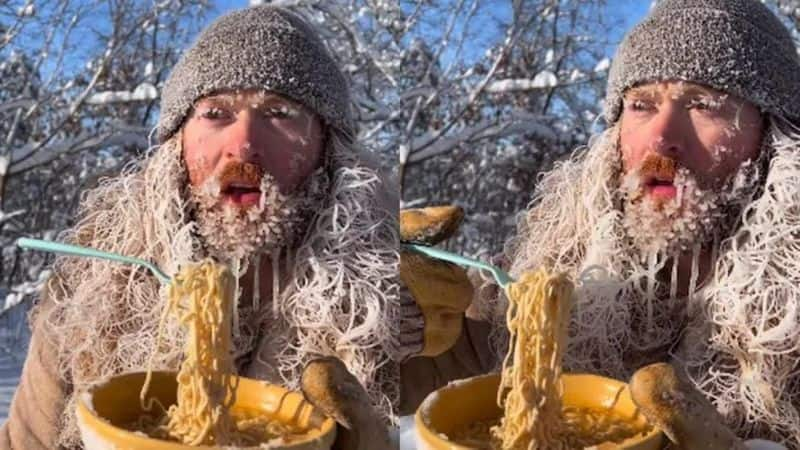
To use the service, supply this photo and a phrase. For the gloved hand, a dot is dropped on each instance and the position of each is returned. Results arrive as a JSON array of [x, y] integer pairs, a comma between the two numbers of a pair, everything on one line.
[[440, 291], [329, 386], [671, 403]]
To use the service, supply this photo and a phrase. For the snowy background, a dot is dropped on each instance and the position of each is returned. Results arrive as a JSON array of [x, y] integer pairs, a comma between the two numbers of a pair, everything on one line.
[[465, 100]]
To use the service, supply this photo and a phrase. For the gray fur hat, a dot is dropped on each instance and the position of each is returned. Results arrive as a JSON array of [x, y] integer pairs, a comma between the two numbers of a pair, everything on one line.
[[263, 47], [736, 46]]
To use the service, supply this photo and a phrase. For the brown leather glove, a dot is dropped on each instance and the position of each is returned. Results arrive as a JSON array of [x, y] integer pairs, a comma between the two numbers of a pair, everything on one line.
[[329, 386], [441, 291], [671, 403]]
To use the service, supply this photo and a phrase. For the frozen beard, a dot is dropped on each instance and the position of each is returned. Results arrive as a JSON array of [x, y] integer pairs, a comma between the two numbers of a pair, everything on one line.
[[695, 215], [233, 230]]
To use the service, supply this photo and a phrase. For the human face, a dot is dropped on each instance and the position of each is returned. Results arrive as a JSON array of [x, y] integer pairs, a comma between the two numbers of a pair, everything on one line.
[[687, 158], [708, 132], [274, 134], [254, 165]]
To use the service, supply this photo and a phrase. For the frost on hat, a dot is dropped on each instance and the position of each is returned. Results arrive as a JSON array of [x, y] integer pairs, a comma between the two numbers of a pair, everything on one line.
[[735, 46], [263, 47]]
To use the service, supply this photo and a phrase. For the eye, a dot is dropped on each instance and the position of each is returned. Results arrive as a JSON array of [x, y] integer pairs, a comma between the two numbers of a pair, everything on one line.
[[638, 104], [214, 113], [280, 112], [705, 104]]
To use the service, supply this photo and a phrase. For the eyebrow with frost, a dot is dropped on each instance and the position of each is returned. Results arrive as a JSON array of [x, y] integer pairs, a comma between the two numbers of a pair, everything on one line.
[[723, 105], [654, 91], [254, 99]]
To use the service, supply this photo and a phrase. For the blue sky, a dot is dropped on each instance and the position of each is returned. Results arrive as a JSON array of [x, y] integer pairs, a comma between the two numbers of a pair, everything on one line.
[[622, 12], [630, 11], [627, 12]]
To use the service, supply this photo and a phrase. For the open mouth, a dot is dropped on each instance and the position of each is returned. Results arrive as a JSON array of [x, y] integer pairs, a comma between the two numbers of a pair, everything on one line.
[[240, 183], [663, 188], [241, 194]]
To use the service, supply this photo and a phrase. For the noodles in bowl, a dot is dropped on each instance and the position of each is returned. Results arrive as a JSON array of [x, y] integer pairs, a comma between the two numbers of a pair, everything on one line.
[[205, 404], [109, 416], [460, 415]]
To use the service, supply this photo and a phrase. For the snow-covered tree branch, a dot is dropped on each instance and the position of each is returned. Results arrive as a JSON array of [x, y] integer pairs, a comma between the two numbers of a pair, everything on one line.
[[79, 84]]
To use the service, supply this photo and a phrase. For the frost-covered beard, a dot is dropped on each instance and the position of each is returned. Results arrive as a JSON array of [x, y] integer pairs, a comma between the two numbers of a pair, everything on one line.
[[231, 232], [695, 216]]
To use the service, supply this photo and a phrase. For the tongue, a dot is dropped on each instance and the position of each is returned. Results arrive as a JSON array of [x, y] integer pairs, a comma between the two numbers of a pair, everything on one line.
[[243, 196], [663, 190]]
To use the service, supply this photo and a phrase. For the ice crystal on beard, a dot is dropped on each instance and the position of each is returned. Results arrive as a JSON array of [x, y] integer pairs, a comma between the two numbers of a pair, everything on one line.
[[230, 232], [693, 217]]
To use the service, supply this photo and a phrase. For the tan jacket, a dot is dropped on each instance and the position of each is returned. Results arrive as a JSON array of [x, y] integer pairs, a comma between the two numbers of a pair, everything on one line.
[[37, 407]]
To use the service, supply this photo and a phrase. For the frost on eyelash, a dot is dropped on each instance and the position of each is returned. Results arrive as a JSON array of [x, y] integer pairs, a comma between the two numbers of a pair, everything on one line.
[[714, 101], [283, 110], [255, 100]]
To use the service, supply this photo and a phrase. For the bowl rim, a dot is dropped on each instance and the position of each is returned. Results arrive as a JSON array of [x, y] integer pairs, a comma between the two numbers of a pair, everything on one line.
[[102, 428]]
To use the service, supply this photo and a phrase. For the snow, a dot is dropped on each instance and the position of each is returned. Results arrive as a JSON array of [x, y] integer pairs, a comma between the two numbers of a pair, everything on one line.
[[760, 444], [30, 155], [602, 65], [415, 203], [26, 11], [501, 86], [542, 80], [14, 338], [513, 185], [403, 150], [21, 291], [407, 436], [549, 56], [10, 370], [545, 79], [143, 92], [13, 299]]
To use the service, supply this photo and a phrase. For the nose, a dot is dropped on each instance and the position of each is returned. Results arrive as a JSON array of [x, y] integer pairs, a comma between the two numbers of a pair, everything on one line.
[[243, 138], [667, 131]]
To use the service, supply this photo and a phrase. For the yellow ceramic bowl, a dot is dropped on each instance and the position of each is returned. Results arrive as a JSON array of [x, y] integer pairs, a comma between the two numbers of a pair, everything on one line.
[[102, 410], [475, 399]]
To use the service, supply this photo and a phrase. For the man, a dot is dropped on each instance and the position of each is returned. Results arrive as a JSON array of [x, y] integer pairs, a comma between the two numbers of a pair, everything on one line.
[[256, 167], [679, 222]]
